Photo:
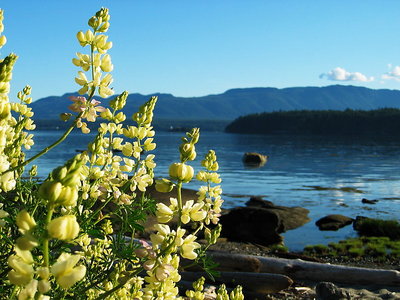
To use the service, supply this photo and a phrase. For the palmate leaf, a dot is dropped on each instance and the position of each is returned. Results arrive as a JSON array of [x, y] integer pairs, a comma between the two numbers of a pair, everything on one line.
[[208, 265]]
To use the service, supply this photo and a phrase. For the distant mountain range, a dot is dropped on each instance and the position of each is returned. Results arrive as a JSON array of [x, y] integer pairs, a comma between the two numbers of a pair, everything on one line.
[[239, 102]]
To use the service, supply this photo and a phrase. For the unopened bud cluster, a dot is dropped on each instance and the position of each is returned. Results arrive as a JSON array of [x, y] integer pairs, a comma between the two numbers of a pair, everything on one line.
[[99, 62], [62, 186], [187, 149], [144, 116]]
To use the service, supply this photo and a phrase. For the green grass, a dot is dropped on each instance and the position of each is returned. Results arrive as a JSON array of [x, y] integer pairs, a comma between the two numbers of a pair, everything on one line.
[[378, 247]]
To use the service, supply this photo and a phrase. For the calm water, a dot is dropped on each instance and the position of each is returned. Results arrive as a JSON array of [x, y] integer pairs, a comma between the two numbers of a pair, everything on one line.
[[296, 167]]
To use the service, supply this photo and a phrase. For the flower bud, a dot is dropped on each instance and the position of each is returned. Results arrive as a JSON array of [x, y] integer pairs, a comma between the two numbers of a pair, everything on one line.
[[120, 117], [24, 221], [43, 272], [27, 242], [81, 38], [148, 265], [106, 65], [106, 114], [181, 172], [89, 36], [44, 286], [33, 171], [68, 196], [104, 27], [5, 110], [93, 22], [63, 228], [141, 252], [50, 190], [187, 151], [7, 181], [65, 116], [72, 179], [164, 185], [59, 173], [3, 40]]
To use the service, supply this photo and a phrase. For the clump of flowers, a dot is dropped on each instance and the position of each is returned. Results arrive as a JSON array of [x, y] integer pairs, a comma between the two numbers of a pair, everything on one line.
[[73, 235]]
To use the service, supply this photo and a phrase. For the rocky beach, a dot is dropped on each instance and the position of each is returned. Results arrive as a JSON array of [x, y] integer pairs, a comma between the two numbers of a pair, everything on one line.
[[250, 252]]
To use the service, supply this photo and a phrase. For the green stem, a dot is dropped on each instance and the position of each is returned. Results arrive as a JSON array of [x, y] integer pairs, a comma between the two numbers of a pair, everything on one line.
[[46, 240], [14, 291], [179, 196], [108, 293], [97, 210], [48, 148]]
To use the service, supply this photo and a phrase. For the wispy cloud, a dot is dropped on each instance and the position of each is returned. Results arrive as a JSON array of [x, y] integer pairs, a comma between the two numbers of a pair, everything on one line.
[[393, 74], [340, 74]]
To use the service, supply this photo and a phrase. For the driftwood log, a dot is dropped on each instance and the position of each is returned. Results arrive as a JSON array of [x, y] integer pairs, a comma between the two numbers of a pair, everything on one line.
[[210, 291], [262, 283], [311, 271]]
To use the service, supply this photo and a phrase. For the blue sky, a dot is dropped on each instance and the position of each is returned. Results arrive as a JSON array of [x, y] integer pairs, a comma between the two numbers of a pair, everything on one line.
[[196, 48]]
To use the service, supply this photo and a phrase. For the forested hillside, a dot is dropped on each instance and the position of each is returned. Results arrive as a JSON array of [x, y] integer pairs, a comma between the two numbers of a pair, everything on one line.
[[239, 102], [382, 121]]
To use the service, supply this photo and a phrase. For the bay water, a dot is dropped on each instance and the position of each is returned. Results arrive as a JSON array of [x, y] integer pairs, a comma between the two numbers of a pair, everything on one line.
[[327, 175]]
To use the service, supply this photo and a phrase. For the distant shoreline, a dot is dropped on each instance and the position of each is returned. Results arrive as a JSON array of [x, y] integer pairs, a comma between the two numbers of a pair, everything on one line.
[[384, 121]]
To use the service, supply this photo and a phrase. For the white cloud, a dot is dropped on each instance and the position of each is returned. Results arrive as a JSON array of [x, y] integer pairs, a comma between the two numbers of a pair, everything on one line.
[[393, 74], [340, 74]]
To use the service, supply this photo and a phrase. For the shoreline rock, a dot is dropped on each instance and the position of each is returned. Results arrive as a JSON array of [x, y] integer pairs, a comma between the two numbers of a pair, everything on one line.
[[333, 222], [261, 222]]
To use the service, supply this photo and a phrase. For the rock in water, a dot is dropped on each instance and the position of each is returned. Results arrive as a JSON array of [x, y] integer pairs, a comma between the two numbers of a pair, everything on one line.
[[367, 201], [254, 159], [261, 222], [291, 217], [333, 222]]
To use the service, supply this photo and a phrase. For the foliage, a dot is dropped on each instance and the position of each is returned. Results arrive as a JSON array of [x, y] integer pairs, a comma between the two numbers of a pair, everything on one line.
[[378, 227], [348, 122], [73, 235]]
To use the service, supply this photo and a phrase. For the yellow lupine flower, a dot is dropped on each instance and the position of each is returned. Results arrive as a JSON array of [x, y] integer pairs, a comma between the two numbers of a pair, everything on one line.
[[64, 228], [3, 40], [21, 264], [29, 291], [25, 221], [164, 185], [164, 213], [106, 65], [27, 242], [7, 182], [65, 272], [181, 171], [188, 247]]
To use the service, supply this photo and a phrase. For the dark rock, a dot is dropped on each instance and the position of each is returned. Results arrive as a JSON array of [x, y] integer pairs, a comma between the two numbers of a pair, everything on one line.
[[254, 159], [329, 291], [358, 222], [259, 202], [261, 221], [333, 222], [290, 217], [251, 224], [366, 201]]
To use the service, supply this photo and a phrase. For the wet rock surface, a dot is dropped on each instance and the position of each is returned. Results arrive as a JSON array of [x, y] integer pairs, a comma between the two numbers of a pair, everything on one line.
[[261, 221], [254, 159], [333, 222], [290, 217]]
